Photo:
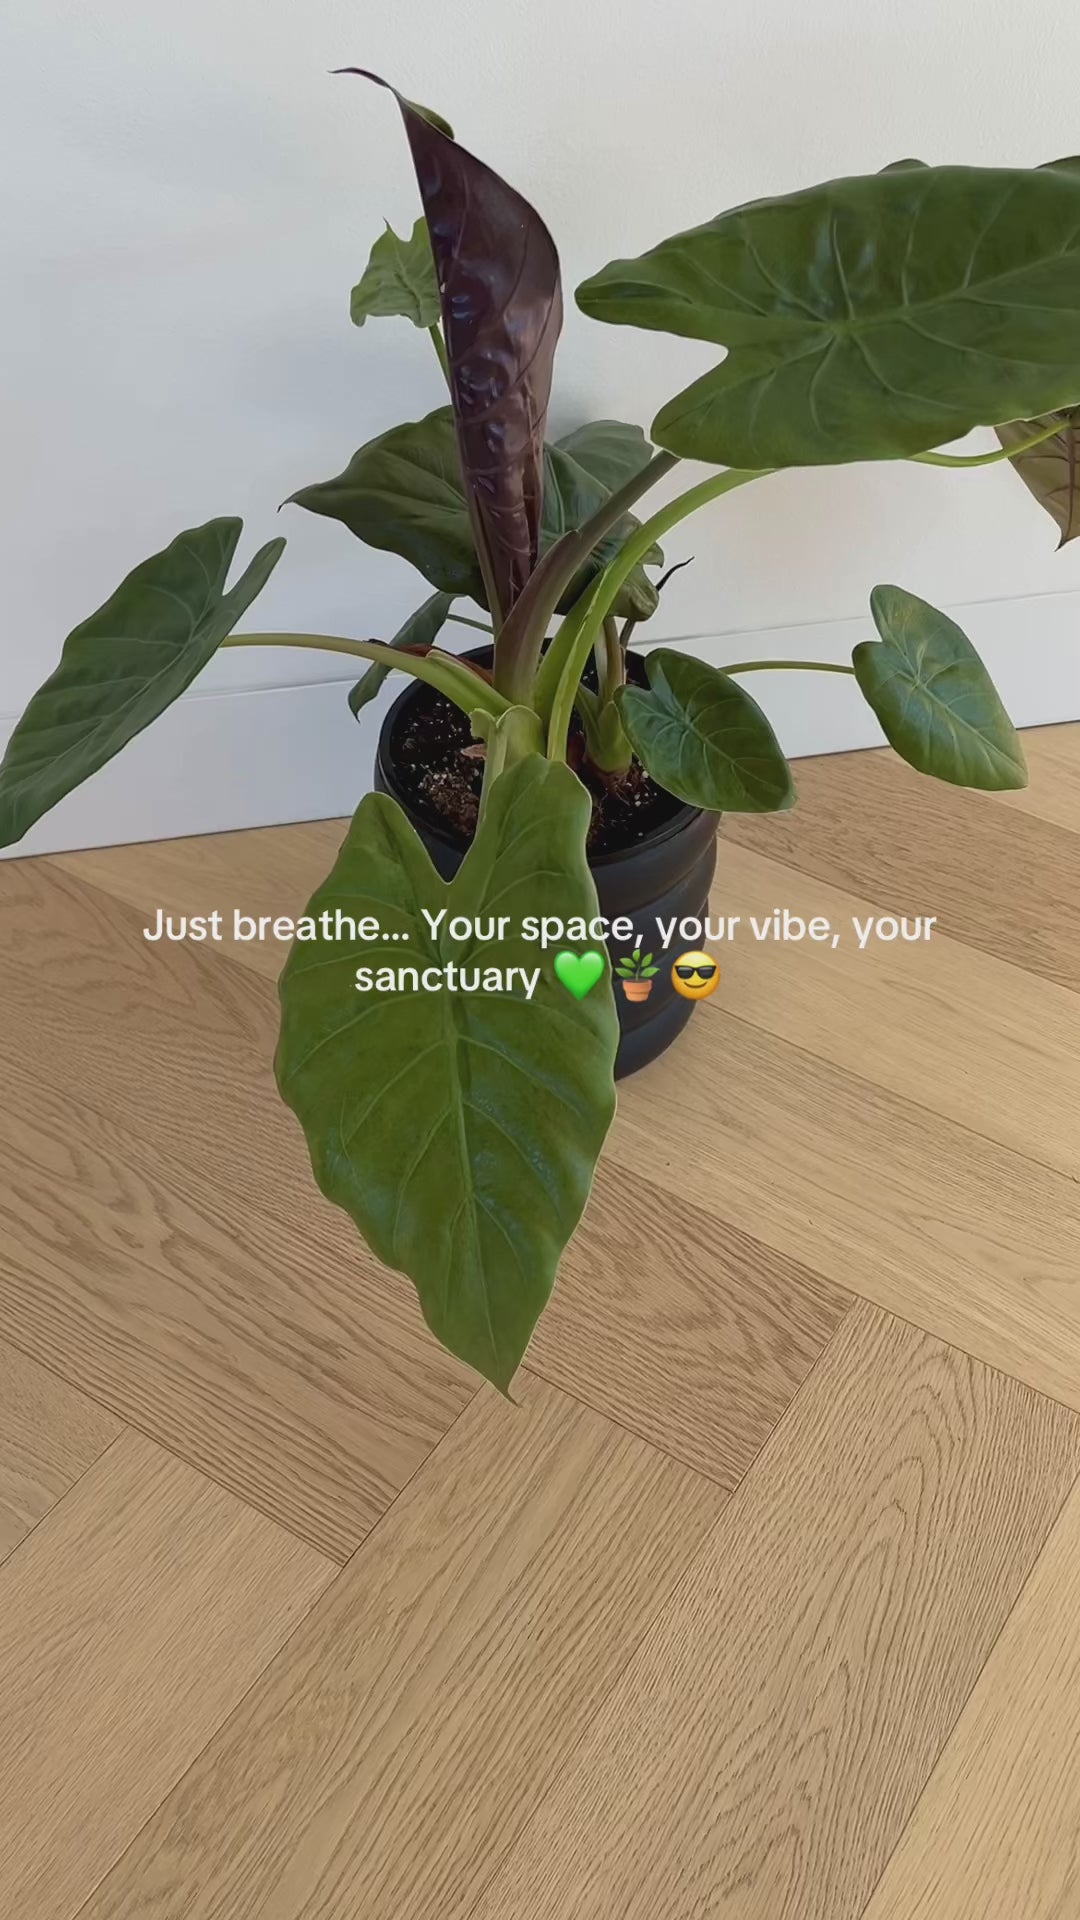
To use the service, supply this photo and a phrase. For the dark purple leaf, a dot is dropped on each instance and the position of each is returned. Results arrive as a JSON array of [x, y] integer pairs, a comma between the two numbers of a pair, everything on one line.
[[1050, 471], [501, 303]]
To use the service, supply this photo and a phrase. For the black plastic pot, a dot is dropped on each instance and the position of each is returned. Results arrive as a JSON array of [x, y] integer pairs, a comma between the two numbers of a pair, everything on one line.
[[668, 873]]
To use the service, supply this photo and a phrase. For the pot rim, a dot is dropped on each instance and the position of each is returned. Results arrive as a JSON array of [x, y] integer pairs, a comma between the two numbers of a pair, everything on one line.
[[678, 824]]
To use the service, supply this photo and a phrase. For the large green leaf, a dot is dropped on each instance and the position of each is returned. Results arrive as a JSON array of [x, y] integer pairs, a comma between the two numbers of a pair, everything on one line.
[[459, 1129], [1050, 471], [866, 319], [700, 735], [399, 279], [419, 630], [935, 700], [609, 451], [125, 665], [403, 493]]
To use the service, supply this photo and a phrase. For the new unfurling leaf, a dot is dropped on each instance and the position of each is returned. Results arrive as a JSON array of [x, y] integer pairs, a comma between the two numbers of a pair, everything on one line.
[[499, 286]]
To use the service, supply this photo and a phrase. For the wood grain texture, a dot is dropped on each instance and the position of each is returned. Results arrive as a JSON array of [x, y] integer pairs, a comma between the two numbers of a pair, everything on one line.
[[396, 1748], [165, 1244], [1053, 790], [945, 1025], [996, 1835], [936, 1224], [767, 1742], [678, 1326], [131, 1622], [260, 871], [1000, 880], [49, 1435]]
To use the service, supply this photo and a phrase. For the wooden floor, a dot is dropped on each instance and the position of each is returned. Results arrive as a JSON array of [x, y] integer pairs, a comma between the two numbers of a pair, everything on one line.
[[761, 1603]]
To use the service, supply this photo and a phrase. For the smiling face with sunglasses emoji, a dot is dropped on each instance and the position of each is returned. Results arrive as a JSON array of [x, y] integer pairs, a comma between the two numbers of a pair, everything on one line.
[[695, 976]]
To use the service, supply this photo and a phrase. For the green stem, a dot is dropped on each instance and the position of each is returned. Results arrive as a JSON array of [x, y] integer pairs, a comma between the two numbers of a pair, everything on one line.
[[594, 606], [987, 459], [524, 630], [439, 345], [609, 659], [462, 620], [807, 666], [465, 688]]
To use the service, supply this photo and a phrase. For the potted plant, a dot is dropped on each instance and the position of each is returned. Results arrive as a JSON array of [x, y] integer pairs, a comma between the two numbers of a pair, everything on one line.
[[636, 975], [454, 1085]]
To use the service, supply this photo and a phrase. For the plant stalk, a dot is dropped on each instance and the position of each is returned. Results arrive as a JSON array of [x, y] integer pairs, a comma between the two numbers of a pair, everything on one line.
[[610, 666], [805, 666], [439, 345], [601, 598], [524, 630], [987, 459], [452, 677]]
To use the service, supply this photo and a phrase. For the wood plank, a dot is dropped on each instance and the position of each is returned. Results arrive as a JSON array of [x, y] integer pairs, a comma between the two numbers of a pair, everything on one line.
[[767, 1742], [680, 1327], [934, 1223], [738, 1325], [994, 1836], [166, 1244], [1005, 882], [259, 871], [131, 1622], [945, 1025], [397, 1747], [49, 1435], [1053, 790]]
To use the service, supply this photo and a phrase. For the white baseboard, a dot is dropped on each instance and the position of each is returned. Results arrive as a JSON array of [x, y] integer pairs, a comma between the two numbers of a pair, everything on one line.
[[219, 761]]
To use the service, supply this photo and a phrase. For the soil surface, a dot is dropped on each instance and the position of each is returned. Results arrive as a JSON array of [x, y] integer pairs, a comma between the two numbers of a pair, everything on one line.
[[437, 765]]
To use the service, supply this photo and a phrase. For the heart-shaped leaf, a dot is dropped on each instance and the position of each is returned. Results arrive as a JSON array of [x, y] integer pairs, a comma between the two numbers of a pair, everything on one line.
[[124, 665], [868, 318], [399, 279], [700, 735], [1051, 471], [935, 700], [419, 630], [459, 1128], [403, 493]]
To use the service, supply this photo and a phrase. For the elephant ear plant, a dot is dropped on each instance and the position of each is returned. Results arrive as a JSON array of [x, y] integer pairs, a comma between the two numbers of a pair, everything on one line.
[[872, 318]]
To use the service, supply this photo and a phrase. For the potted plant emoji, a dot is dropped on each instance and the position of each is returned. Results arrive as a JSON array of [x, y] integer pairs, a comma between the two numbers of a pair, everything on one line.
[[637, 975], [564, 781]]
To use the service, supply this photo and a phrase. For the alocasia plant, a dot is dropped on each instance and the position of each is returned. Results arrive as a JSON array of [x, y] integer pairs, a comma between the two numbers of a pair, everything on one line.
[[871, 318]]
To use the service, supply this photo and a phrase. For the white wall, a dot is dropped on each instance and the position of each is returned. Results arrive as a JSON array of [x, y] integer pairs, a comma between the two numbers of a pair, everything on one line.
[[187, 198]]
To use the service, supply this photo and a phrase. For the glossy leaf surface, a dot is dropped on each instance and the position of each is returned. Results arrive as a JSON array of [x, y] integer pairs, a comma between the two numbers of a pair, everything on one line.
[[1051, 472], [124, 665], [419, 630], [399, 280], [499, 285], [937, 705], [866, 319], [702, 737], [460, 1130]]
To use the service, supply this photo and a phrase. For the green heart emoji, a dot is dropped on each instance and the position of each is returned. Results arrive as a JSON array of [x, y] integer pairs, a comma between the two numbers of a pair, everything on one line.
[[579, 972]]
